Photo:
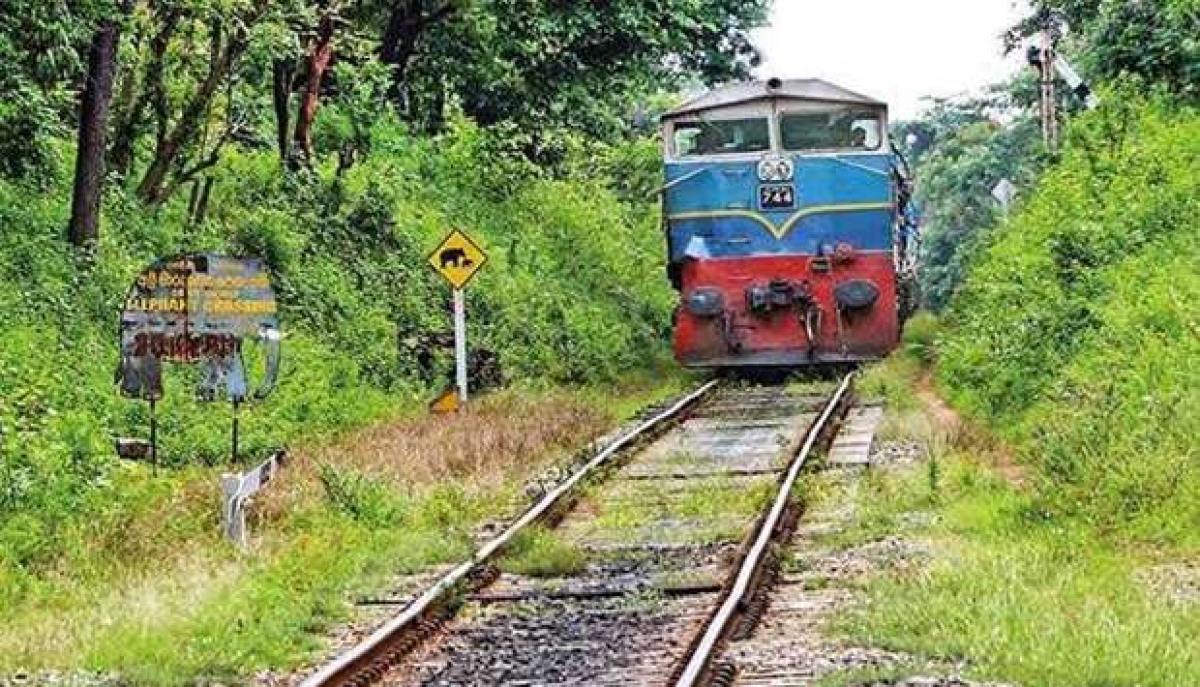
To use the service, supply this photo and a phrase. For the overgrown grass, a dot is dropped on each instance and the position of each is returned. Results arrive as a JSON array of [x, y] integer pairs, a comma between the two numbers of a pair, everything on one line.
[[1016, 592], [539, 552], [1019, 598], [1075, 336], [167, 601]]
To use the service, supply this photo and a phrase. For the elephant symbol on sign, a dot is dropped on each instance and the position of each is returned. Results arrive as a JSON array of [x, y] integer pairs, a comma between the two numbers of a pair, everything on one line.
[[455, 257]]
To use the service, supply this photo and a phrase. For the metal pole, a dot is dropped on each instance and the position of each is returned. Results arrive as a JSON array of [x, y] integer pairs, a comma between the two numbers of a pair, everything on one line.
[[235, 430], [153, 436], [460, 344], [1049, 101], [233, 513]]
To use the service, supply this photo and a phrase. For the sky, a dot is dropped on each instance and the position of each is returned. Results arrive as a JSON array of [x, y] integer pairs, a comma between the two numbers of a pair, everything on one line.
[[895, 50]]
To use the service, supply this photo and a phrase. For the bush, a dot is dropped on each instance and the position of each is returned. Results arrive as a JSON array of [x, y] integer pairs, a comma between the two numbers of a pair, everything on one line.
[[1075, 333], [572, 293], [920, 336]]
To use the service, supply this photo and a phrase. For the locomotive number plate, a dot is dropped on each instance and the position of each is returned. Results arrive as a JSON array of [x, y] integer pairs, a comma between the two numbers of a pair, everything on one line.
[[777, 196]]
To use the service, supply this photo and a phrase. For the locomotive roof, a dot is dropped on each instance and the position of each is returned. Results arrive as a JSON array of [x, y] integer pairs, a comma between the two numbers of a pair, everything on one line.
[[749, 91]]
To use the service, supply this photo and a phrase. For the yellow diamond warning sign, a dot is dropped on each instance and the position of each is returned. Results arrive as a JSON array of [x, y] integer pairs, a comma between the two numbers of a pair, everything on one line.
[[457, 259]]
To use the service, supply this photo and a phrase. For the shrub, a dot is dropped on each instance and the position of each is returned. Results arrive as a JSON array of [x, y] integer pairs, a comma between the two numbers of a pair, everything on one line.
[[920, 336], [572, 293], [1075, 332]]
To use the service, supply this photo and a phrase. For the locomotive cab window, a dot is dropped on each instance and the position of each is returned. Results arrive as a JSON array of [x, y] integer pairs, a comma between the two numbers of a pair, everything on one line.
[[832, 130], [722, 137]]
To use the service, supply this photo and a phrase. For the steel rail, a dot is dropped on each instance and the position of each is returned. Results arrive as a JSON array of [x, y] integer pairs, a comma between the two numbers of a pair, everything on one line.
[[343, 668], [702, 655]]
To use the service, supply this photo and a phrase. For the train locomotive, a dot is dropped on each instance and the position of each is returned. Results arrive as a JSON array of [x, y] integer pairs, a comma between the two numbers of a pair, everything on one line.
[[791, 231]]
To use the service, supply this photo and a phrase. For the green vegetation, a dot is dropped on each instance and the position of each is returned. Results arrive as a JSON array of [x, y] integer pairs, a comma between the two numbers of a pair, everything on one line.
[[1075, 335], [352, 274], [339, 141], [1024, 601], [960, 152], [1152, 42], [1017, 595], [1070, 345], [539, 552], [150, 589], [962, 147]]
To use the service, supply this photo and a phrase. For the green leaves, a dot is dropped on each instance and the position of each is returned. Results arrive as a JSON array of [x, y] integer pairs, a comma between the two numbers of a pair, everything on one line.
[[961, 155], [1155, 42], [1075, 334]]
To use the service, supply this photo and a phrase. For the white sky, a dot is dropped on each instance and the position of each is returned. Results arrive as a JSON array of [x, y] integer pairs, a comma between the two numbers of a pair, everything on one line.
[[895, 50]]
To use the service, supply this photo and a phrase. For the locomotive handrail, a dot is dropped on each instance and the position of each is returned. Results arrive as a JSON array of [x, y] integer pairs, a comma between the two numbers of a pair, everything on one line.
[[670, 185], [872, 170]]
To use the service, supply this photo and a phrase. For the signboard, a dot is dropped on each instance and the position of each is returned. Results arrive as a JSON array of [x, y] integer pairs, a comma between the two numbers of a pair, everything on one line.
[[1005, 193], [198, 308], [457, 259]]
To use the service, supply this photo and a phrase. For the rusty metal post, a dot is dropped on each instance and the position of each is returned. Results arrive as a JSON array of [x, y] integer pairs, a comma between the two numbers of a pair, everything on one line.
[[154, 435]]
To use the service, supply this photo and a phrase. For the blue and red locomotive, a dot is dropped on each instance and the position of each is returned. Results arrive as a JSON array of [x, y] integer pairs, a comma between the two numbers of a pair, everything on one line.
[[790, 227]]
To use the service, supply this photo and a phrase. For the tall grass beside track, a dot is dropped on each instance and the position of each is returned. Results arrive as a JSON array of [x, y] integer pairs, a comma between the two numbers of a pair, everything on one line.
[[104, 565], [996, 587], [1073, 349], [1076, 335]]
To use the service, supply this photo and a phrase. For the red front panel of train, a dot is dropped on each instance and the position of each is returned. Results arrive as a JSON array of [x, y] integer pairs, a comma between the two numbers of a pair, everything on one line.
[[802, 300]]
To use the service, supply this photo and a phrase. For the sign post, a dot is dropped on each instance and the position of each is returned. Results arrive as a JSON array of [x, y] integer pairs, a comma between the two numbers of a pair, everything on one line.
[[460, 344], [236, 490], [458, 259], [198, 308]]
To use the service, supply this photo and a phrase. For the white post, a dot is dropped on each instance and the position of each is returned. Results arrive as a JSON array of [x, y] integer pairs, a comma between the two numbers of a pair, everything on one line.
[[234, 509], [460, 344]]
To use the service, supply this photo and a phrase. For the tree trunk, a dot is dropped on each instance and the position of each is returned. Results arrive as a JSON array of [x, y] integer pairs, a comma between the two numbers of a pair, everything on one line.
[[131, 118], [398, 45], [84, 228], [318, 61], [406, 23], [281, 96], [201, 211], [153, 188]]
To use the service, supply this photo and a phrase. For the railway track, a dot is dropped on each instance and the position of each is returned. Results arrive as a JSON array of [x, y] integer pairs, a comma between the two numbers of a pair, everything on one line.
[[677, 521]]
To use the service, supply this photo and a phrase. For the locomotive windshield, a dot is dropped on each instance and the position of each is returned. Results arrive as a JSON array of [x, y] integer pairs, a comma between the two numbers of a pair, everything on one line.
[[723, 137], [840, 129]]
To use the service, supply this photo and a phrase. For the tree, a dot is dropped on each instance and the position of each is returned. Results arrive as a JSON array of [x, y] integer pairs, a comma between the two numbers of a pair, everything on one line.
[[1152, 41], [226, 45], [40, 47], [963, 148], [84, 227], [320, 55], [407, 22], [582, 66]]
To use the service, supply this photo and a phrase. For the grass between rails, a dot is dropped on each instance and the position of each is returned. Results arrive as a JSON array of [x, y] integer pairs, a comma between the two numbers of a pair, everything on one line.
[[540, 552], [707, 510], [179, 605], [1019, 594]]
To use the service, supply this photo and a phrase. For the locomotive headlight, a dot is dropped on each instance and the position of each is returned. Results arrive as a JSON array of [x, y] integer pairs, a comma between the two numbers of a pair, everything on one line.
[[775, 169], [704, 302]]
